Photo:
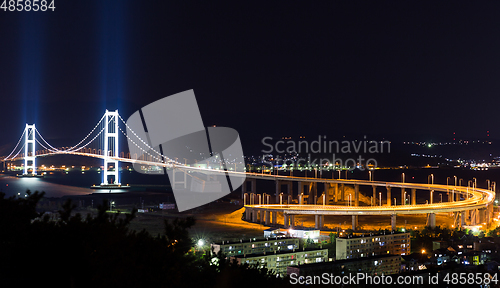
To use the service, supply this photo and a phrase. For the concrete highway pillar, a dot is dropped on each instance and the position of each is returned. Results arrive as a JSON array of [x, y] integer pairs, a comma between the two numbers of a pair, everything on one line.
[[253, 185], [267, 217], [431, 220], [481, 213], [354, 222], [431, 200], [462, 218], [290, 199], [474, 219], [393, 222], [248, 214], [301, 199], [289, 191], [490, 212], [456, 219], [311, 198], [243, 189], [356, 194], [413, 196], [329, 193], [274, 216], [277, 191], [403, 196], [388, 195], [286, 220], [254, 216], [318, 221], [252, 199], [335, 192], [292, 221], [245, 199], [374, 197], [342, 192]]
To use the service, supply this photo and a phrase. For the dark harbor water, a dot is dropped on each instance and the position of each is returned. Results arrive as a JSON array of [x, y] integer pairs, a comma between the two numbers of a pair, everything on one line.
[[75, 183]]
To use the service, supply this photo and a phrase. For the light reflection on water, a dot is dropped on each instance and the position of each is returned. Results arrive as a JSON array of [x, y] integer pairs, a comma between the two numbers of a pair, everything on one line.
[[11, 186]]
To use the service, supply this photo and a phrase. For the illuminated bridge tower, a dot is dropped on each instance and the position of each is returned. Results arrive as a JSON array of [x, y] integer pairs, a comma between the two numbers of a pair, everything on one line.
[[29, 149], [111, 148]]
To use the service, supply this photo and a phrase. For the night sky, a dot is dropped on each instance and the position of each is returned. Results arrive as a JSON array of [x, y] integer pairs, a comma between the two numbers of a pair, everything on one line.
[[396, 69]]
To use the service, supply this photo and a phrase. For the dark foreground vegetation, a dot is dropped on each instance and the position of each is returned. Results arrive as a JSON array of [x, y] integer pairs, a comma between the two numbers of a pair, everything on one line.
[[101, 251]]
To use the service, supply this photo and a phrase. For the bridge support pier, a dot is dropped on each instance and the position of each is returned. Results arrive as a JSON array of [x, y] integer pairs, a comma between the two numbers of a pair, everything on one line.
[[267, 217], [474, 217], [413, 196], [462, 218], [431, 200], [374, 197], [356, 195], [319, 221], [274, 216], [342, 192], [330, 193], [403, 196], [354, 222], [254, 216], [248, 214], [388, 195], [253, 186], [277, 191], [456, 219], [393, 222], [311, 195], [431, 220], [289, 220]]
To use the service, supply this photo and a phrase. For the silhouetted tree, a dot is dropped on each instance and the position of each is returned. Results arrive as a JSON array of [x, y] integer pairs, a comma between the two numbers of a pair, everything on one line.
[[101, 251]]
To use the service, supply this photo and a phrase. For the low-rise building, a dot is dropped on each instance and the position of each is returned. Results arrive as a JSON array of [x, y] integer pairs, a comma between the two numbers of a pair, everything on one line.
[[374, 265], [352, 247], [253, 246], [278, 261]]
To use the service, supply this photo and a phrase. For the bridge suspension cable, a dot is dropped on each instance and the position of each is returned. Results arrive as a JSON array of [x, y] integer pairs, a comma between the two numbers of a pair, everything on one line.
[[164, 158], [20, 139]]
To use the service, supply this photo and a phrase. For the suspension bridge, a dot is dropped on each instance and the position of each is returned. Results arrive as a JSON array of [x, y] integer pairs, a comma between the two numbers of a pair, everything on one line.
[[467, 204], [101, 142]]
